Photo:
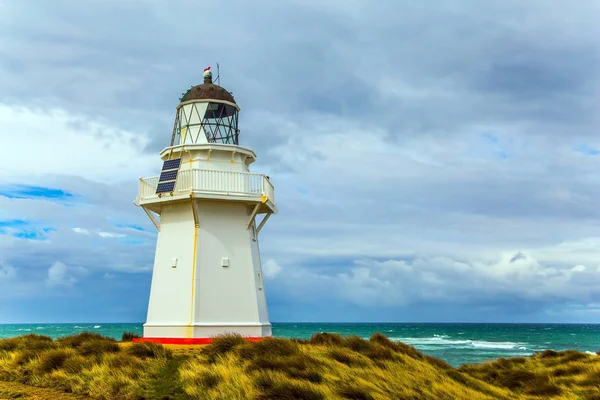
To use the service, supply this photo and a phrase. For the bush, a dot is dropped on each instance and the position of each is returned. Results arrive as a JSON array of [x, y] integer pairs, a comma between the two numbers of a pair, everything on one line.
[[129, 336], [285, 390], [382, 340], [209, 380], [327, 339], [436, 362], [269, 347], [51, 360], [548, 354], [573, 370], [573, 355], [8, 344], [149, 350], [311, 376], [79, 339], [121, 360], [354, 392], [23, 357], [345, 357], [97, 347], [356, 343], [222, 345], [76, 364], [409, 351], [380, 353]]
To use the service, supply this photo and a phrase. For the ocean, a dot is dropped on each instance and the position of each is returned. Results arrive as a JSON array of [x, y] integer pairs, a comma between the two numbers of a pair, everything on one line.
[[455, 343]]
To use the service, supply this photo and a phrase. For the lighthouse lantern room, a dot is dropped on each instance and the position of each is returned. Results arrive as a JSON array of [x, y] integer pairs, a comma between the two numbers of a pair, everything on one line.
[[209, 209]]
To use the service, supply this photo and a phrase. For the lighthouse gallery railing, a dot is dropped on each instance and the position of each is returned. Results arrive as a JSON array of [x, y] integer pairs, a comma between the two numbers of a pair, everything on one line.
[[210, 181]]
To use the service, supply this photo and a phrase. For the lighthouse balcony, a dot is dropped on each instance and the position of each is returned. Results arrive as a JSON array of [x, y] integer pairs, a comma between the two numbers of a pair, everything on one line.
[[210, 184]]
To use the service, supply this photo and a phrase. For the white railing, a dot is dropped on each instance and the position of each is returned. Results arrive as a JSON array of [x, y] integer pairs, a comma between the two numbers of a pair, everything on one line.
[[210, 181]]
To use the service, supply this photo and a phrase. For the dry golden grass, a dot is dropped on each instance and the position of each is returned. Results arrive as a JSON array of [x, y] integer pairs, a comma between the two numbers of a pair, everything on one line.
[[327, 366]]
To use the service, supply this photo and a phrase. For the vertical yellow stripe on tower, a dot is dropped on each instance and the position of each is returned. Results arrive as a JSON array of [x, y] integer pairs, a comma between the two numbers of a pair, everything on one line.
[[184, 131]]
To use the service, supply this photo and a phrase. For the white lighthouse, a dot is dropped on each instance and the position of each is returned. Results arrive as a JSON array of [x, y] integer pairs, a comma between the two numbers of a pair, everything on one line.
[[209, 209]]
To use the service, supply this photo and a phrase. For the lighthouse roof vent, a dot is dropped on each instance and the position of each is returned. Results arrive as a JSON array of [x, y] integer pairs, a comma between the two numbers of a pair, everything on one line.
[[208, 91]]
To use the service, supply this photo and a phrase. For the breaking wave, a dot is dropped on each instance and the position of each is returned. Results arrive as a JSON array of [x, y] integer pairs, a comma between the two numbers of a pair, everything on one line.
[[445, 341]]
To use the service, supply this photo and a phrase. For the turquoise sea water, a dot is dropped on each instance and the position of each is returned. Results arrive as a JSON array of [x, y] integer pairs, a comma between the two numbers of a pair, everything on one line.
[[456, 343]]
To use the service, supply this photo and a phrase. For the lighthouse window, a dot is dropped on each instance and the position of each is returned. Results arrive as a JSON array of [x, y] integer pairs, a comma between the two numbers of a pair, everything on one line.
[[220, 123]]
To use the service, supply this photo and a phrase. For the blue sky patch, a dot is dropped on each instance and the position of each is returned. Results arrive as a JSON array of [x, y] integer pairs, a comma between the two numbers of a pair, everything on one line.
[[24, 230], [587, 150], [13, 223], [32, 192], [132, 226]]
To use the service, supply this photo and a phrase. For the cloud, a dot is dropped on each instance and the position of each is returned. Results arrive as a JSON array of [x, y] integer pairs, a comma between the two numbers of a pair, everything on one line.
[[61, 275], [415, 153], [110, 235], [271, 269], [6, 271]]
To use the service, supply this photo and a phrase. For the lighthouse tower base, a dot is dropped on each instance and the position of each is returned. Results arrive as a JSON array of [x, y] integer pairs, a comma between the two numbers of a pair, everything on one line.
[[207, 279]]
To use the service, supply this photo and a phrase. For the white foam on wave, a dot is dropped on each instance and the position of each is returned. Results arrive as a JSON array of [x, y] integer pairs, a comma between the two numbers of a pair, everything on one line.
[[444, 341], [591, 353], [97, 326]]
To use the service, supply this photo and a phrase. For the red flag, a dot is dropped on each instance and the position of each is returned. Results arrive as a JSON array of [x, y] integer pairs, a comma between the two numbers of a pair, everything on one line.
[[207, 68]]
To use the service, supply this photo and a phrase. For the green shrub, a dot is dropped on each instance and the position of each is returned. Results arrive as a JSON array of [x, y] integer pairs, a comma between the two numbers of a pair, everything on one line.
[[209, 380], [572, 370], [51, 360], [326, 339], [76, 364], [544, 389], [222, 345], [354, 392], [345, 357], [311, 376], [97, 347], [572, 355], [8, 344], [548, 354], [81, 338], [409, 351], [457, 376], [268, 347], [380, 353], [296, 362], [129, 336], [382, 340], [149, 350], [121, 360], [286, 390], [356, 343], [11, 394], [436, 362], [24, 356]]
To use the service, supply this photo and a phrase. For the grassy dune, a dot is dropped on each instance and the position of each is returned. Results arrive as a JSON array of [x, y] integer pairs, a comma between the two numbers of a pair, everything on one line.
[[325, 367]]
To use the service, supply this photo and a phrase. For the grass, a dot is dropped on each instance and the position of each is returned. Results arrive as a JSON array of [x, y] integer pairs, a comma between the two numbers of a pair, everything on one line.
[[326, 366]]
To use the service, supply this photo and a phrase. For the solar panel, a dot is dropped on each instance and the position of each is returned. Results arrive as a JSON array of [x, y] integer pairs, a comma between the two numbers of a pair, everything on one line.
[[165, 187], [168, 175], [171, 164]]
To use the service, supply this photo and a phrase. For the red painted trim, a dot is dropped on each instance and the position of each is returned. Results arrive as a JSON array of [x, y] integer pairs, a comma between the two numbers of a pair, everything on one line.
[[187, 340]]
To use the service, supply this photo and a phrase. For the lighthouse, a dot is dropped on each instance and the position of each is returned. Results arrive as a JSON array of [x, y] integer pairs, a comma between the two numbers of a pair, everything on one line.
[[208, 209]]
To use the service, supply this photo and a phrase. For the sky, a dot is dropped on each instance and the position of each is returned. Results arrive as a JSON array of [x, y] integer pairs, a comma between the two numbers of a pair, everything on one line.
[[432, 161]]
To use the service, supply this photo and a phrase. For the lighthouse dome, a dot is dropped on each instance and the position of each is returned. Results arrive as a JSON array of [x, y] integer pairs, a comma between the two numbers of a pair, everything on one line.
[[207, 113], [208, 91]]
